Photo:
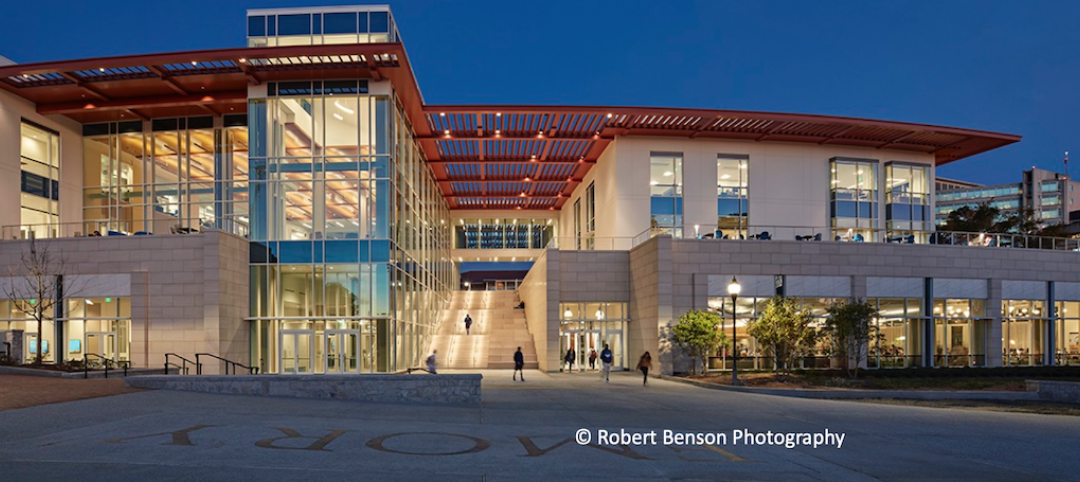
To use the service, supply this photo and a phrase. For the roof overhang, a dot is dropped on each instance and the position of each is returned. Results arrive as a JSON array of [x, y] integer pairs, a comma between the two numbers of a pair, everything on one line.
[[202, 82], [533, 157], [483, 157]]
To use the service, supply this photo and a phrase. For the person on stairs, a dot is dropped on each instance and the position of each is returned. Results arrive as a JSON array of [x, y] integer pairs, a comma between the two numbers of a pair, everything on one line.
[[519, 364], [468, 323], [606, 357]]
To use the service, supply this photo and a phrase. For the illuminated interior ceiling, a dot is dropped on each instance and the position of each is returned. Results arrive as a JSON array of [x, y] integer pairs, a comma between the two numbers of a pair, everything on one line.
[[483, 157]]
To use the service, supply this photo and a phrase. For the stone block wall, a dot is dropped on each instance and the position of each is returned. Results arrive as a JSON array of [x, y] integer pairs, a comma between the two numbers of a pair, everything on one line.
[[397, 389], [188, 292]]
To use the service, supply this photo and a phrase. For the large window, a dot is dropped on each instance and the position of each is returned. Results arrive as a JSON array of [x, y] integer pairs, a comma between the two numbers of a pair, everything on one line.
[[899, 328], [182, 175], [97, 326], [585, 327], [754, 355], [1023, 330], [590, 216], [665, 187], [907, 202], [336, 27], [854, 199], [481, 233], [960, 331], [40, 183], [732, 180], [1067, 334]]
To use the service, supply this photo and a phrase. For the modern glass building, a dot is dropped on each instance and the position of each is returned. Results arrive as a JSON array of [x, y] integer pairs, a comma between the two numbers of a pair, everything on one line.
[[295, 205], [1049, 196]]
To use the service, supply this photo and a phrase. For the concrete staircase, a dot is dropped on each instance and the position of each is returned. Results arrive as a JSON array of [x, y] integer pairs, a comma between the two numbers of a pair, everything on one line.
[[498, 329]]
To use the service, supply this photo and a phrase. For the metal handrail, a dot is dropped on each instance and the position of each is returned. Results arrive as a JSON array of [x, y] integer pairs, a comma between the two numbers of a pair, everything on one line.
[[198, 365], [834, 234], [108, 362], [183, 366]]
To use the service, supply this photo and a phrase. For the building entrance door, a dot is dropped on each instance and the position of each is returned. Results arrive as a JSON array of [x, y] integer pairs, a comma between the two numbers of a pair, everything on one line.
[[341, 351], [101, 343], [296, 349]]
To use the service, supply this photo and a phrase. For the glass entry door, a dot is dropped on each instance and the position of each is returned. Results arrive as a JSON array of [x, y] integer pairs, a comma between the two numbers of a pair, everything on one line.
[[101, 343], [295, 350], [341, 351]]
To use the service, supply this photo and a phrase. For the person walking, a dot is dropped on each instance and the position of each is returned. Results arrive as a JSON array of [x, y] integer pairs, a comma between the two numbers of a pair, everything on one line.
[[519, 364], [644, 364], [468, 323], [606, 357], [431, 362], [592, 359], [569, 359]]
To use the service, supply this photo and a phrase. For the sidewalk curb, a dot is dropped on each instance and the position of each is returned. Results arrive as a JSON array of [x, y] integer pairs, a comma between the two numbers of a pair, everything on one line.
[[863, 394]]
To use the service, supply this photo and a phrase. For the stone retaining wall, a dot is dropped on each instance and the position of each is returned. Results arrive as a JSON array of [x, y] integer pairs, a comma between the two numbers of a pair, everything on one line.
[[426, 389], [1055, 391]]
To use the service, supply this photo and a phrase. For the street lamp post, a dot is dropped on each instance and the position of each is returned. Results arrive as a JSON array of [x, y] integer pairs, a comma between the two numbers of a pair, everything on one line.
[[733, 289]]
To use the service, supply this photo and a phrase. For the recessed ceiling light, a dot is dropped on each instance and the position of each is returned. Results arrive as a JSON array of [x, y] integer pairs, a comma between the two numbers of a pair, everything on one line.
[[726, 176]]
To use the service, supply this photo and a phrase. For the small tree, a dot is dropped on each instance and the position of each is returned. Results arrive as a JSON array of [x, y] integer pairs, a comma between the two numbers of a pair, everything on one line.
[[698, 334], [33, 286], [850, 329], [786, 330]]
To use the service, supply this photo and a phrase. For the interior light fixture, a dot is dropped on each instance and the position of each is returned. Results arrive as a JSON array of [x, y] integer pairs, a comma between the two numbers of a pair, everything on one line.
[[338, 116], [447, 132], [653, 183], [346, 109], [726, 176], [89, 302], [498, 114], [668, 174]]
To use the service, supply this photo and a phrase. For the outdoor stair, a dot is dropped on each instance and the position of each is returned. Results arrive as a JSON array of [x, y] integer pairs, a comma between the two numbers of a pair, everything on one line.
[[498, 329]]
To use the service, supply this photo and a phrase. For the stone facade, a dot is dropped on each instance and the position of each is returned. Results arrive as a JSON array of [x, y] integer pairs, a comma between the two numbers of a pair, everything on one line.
[[189, 293], [427, 389], [663, 278]]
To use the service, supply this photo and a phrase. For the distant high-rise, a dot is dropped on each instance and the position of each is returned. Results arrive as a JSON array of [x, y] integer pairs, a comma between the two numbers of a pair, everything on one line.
[[1049, 195]]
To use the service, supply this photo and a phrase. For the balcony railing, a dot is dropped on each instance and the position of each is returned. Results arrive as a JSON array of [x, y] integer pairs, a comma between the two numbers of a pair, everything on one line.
[[591, 243], [845, 235], [88, 229]]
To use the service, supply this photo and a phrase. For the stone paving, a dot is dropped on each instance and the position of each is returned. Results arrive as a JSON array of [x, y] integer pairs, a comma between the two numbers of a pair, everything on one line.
[[523, 431]]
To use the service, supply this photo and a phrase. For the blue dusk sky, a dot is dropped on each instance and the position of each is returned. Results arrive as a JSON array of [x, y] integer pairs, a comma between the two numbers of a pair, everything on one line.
[[992, 65]]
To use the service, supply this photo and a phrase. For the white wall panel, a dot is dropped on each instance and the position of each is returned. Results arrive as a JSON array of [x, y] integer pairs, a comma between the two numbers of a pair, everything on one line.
[[960, 288], [823, 286], [894, 287]]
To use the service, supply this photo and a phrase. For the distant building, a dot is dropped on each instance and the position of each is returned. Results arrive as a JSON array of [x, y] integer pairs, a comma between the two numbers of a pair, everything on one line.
[[1049, 195]]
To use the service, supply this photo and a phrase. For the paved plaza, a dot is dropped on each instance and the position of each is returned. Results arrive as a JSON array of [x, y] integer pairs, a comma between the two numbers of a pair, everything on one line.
[[524, 431]]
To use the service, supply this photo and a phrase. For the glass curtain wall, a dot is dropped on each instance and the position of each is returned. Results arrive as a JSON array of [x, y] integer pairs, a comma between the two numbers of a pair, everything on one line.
[[732, 207], [350, 234], [585, 327], [183, 175], [960, 330], [900, 326], [1023, 331], [526, 233], [39, 153], [665, 188], [907, 202], [1067, 334], [854, 199]]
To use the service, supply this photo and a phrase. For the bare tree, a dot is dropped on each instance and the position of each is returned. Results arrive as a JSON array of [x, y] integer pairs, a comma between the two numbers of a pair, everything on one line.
[[33, 287]]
